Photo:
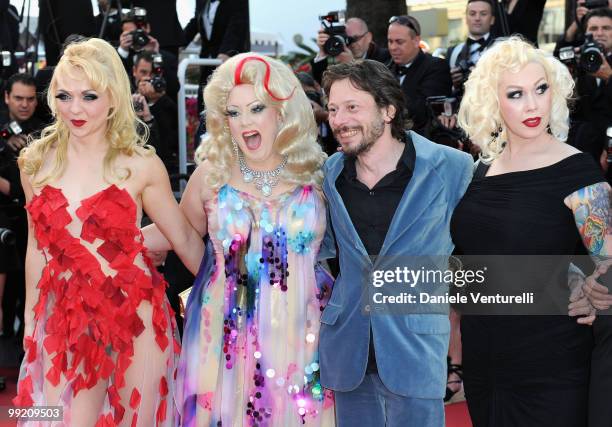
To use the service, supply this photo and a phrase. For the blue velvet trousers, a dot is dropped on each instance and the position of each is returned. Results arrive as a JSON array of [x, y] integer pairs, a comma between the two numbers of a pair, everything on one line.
[[371, 404]]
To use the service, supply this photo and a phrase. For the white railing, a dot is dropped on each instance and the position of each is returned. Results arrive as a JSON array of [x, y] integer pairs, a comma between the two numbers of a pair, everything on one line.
[[182, 112]]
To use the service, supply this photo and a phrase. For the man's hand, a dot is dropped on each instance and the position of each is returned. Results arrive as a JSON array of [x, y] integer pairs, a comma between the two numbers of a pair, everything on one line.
[[457, 77], [448, 121], [580, 10], [346, 56], [17, 142], [145, 114], [126, 41], [146, 89], [598, 295], [322, 37], [605, 71], [580, 306], [223, 57], [153, 45]]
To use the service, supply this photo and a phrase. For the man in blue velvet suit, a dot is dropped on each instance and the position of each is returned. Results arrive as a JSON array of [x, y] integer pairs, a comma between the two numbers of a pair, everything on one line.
[[391, 193]]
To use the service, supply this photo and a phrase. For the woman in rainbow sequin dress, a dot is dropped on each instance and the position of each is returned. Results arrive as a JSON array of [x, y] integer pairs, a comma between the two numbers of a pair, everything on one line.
[[249, 355]]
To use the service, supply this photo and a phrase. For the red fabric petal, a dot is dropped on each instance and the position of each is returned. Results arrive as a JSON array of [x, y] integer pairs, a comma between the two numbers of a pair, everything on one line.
[[161, 411], [24, 394], [134, 399], [163, 386]]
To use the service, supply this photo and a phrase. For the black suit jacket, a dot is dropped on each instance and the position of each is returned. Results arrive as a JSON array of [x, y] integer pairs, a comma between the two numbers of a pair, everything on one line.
[[374, 52], [230, 29], [67, 17], [427, 76]]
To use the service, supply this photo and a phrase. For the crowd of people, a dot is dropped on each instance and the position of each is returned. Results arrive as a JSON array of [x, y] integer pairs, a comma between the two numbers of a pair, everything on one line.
[[308, 186]]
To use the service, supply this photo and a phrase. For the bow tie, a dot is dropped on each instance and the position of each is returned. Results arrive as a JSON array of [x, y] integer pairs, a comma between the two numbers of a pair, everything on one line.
[[481, 41], [401, 70]]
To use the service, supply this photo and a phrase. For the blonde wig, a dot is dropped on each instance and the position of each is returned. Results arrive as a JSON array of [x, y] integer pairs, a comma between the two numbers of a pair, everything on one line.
[[297, 135], [479, 113], [103, 69]]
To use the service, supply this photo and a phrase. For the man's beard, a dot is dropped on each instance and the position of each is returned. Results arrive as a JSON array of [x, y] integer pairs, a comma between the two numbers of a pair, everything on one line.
[[375, 131]]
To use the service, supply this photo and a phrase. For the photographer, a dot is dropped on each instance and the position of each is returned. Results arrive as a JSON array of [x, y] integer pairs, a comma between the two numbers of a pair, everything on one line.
[[149, 81], [479, 17], [420, 74], [588, 58], [135, 37], [356, 43], [15, 126], [574, 31]]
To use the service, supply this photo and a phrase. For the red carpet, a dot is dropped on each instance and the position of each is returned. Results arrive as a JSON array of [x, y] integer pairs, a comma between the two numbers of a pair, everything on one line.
[[11, 390], [456, 414]]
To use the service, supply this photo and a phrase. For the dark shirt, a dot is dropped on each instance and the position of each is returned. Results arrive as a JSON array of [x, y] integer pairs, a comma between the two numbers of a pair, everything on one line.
[[371, 210]]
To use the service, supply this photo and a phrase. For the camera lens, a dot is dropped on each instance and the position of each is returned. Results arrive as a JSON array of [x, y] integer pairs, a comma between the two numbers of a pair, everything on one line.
[[139, 39], [7, 237], [334, 46], [590, 59]]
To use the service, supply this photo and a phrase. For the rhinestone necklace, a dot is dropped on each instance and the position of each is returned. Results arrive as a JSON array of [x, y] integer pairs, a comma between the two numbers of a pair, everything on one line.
[[264, 181]]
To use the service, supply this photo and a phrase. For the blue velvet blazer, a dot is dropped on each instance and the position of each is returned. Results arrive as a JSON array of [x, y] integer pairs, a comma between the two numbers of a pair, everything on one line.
[[410, 349]]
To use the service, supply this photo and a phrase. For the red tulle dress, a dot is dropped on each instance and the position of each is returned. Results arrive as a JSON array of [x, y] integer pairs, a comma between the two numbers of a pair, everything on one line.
[[104, 345]]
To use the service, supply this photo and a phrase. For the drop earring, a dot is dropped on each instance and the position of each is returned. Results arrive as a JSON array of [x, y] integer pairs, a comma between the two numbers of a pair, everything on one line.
[[496, 134]]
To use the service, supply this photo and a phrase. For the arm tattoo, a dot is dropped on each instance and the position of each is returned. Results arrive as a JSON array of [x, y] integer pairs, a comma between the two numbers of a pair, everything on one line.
[[591, 207]]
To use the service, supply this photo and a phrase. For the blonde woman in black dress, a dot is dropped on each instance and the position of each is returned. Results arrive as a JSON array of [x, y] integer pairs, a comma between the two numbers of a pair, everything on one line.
[[532, 194]]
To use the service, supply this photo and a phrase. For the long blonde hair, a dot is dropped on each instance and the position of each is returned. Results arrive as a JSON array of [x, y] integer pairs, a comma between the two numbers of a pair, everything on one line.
[[479, 114], [297, 136], [102, 67]]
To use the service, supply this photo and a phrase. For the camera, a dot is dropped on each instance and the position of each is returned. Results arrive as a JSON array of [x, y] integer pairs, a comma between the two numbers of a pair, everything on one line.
[[10, 129], [157, 76], [595, 4], [7, 237], [140, 38], [334, 46], [442, 105], [465, 66], [589, 57], [590, 54], [138, 106]]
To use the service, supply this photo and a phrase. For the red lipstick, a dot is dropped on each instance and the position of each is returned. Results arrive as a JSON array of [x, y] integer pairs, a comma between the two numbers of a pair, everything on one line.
[[532, 122], [78, 123]]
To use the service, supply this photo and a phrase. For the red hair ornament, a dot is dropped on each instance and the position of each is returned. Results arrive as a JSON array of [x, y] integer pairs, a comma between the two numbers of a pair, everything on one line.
[[266, 82]]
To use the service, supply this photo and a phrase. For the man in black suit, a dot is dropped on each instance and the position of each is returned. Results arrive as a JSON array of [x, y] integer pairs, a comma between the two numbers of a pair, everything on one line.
[[420, 74], [362, 46], [60, 18], [479, 17], [224, 31]]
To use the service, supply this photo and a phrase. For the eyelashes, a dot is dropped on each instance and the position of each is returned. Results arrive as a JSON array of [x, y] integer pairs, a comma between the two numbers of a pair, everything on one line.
[[255, 109], [66, 97], [516, 94], [542, 88]]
